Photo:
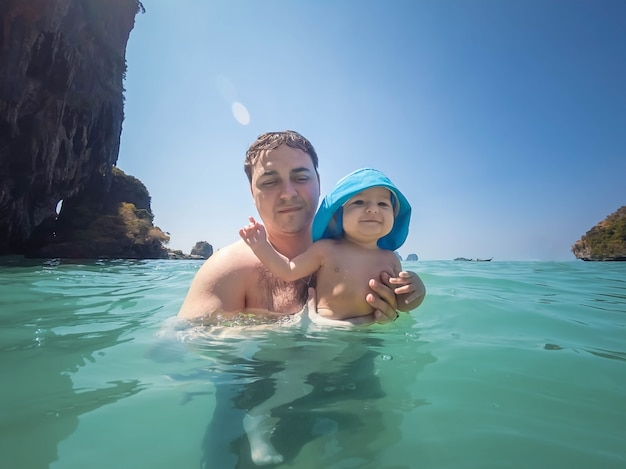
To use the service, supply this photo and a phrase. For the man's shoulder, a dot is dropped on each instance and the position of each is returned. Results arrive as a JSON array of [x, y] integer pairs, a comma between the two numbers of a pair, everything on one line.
[[235, 258], [238, 248], [221, 284]]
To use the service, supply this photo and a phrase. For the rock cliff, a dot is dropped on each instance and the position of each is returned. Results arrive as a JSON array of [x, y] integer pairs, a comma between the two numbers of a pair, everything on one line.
[[606, 241], [62, 65]]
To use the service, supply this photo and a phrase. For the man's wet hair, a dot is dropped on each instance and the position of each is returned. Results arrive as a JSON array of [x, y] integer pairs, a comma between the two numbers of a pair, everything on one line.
[[271, 141]]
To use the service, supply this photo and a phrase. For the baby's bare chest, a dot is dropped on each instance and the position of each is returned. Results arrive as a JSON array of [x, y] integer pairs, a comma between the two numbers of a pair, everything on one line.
[[354, 269]]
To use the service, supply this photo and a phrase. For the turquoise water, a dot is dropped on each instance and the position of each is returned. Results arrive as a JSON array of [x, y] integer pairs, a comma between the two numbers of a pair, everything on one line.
[[505, 365]]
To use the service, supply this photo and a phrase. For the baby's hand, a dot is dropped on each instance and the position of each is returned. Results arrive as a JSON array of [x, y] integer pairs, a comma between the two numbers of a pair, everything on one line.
[[253, 233], [409, 289]]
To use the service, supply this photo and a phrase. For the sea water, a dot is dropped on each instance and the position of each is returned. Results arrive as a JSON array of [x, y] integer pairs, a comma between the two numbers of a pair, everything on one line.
[[505, 365]]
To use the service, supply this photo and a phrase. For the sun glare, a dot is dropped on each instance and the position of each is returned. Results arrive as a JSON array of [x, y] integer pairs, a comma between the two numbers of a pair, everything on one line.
[[241, 113]]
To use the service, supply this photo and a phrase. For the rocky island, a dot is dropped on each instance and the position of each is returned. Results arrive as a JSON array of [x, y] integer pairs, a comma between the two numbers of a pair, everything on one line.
[[63, 65], [606, 241]]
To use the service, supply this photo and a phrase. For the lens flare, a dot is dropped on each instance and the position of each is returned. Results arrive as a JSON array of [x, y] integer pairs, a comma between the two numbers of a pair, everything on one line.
[[241, 113]]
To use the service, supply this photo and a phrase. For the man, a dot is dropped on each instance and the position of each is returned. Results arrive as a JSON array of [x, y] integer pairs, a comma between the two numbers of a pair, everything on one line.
[[284, 182], [282, 170]]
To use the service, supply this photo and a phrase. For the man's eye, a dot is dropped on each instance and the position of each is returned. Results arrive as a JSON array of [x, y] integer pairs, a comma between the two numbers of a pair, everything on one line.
[[268, 183], [303, 179]]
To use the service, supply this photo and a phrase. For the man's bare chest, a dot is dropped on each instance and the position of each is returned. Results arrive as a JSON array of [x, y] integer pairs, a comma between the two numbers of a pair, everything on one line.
[[272, 294]]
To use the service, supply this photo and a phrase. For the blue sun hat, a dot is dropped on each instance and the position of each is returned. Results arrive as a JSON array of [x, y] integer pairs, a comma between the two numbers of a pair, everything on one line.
[[328, 221]]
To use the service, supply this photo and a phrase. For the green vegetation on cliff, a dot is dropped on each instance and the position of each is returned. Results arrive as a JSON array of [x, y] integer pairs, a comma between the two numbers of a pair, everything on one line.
[[606, 241]]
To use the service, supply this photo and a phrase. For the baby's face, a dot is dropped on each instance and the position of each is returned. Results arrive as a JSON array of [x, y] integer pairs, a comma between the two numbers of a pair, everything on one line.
[[369, 214]]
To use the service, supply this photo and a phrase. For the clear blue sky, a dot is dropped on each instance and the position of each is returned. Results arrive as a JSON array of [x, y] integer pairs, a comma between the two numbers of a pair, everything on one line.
[[502, 121]]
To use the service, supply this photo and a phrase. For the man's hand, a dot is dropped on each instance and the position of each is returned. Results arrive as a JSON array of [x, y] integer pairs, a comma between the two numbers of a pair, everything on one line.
[[408, 288], [383, 300]]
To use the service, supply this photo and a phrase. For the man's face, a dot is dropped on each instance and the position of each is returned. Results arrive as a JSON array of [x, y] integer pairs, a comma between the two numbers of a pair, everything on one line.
[[286, 190]]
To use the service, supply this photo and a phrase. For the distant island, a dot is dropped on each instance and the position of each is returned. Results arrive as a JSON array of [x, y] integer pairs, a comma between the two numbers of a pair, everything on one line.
[[201, 250], [606, 241]]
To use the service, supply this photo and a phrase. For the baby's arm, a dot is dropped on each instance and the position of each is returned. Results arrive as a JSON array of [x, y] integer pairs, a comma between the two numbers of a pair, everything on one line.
[[254, 235]]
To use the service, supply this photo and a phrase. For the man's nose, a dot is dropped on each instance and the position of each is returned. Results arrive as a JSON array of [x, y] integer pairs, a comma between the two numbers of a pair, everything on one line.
[[289, 190]]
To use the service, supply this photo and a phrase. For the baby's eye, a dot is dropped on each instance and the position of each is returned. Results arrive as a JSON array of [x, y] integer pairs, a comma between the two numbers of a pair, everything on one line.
[[383, 204], [357, 202]]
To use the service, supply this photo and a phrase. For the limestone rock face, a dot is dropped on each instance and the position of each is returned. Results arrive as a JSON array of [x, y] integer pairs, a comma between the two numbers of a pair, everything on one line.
[[62, 63], [411, 257], [606, 241]]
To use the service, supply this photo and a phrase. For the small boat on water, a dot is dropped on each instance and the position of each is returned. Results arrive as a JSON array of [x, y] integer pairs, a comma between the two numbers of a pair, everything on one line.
[[472, 260]]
